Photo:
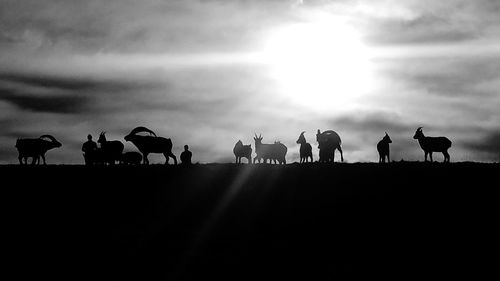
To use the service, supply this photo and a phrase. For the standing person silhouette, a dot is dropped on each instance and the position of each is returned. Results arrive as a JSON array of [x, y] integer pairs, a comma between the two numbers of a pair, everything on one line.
[[186, 156], [89, 149]]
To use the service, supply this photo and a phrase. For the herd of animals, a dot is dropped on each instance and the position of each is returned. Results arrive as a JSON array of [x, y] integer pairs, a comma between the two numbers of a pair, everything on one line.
[[111, 152]]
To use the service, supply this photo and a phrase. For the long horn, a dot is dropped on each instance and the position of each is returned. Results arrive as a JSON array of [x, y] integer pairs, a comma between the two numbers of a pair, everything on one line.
[[303, 132], [142, 129], [419, 129], [48, 137]]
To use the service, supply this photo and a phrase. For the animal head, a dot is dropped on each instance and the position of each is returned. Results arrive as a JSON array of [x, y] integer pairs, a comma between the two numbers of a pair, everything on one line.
[[387, 139], [301, 139], [258, 139], [50, 139], [419, 134], [137, 130], [102, 137]]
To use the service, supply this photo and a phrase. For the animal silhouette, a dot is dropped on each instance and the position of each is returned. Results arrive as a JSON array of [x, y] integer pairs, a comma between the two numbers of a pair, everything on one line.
[[151, 144], [328, 141], [273, 152], [383, 149], [242, 151], [305, 149], [131, 158], [110, 151], [433, 144], [35, 148], [186, 156]]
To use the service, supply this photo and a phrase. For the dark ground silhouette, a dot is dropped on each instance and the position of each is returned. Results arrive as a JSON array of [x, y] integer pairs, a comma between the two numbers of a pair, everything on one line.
[[250, 222]]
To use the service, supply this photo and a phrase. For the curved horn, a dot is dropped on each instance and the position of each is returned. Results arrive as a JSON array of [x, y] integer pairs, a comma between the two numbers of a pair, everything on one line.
[[419, 129], [141, 129], [303, 132], [48, 137]]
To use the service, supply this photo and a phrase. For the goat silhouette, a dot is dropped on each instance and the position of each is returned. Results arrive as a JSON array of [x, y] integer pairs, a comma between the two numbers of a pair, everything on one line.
[[242, 151], [383, 149], [305, 149], [272, 152], [433, 144], [328, 141], [35, 148], [110, 151], [151, 144]]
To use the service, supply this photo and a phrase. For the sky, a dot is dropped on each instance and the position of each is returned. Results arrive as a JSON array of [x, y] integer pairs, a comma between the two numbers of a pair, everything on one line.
[[208, 73]]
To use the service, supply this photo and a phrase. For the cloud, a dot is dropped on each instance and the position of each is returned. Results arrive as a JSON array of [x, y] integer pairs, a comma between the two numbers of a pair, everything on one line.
[[71, 105], [489, 145], [183, 68]]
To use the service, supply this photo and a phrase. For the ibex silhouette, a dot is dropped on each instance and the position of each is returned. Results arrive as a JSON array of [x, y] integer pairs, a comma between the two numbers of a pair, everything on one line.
[[433, 144], [305, 149], [35, 148], [383, 149]]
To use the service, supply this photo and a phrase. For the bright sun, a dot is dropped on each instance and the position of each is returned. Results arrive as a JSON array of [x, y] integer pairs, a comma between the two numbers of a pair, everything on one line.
[[322, 65]]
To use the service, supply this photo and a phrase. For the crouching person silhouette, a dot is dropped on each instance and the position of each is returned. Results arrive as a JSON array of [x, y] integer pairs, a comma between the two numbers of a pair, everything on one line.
[[186, 156], [89, 149]]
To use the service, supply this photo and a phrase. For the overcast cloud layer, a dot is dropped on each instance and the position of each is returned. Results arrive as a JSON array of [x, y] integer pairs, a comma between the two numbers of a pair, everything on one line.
[[183, 69]]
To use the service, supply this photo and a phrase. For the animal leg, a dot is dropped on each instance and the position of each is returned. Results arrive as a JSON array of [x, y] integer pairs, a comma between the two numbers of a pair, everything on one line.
[[43, 158], [430, 156], [425, 156], [145, 159], [388, 158], [446, 156], [341, 154]]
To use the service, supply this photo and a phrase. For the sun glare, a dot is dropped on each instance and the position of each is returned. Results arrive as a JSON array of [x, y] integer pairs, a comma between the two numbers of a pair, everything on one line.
[[319, 64]]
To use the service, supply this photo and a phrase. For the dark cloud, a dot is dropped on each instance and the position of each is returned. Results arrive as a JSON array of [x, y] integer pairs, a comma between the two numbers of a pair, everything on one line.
[[449, 77], [52, 104], [74, 84], [63, 94], [489, 144], [422, 30], [374, 122]]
